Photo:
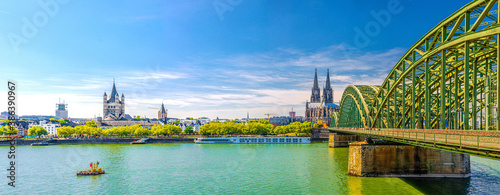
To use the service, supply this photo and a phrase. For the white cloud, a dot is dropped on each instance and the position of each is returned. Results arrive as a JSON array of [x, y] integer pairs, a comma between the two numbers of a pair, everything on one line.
[[228, 87]]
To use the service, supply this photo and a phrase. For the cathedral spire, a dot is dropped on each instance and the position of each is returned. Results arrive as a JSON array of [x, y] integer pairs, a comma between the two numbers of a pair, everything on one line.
[[328, 78], [327, 89], [315, 86], [315, 95]]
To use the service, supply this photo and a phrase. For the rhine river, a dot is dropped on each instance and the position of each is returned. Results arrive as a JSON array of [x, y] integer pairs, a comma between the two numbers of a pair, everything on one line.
[[218, 169]]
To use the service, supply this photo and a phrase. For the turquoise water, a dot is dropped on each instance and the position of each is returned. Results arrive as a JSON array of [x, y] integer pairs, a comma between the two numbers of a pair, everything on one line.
[[218, 169]]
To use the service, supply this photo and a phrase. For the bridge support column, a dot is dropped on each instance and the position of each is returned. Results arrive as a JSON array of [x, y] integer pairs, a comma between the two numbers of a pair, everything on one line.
[[405, 161], [335, 140]]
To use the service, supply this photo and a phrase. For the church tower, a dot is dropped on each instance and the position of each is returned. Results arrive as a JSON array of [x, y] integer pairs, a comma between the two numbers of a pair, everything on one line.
[[114, 107], [162, 113], [327, 90], [315, 95]]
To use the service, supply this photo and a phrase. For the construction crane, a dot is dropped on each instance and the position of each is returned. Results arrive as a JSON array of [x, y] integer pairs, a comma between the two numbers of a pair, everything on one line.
[[269, 115]]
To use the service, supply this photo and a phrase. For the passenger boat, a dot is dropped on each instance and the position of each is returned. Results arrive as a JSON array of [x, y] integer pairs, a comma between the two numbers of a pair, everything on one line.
[[94, 170], [254, 140]]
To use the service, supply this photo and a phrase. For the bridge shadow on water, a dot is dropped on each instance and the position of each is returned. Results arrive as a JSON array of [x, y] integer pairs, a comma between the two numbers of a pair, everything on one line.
[[440, 185], [485, 179]]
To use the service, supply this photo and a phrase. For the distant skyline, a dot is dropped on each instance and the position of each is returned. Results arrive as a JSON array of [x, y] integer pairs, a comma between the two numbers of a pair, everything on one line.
[[202, 57]]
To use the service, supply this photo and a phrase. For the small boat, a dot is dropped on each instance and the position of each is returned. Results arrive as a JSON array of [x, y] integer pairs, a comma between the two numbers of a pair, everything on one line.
[[39, 144], [94, 170], [141, 141]]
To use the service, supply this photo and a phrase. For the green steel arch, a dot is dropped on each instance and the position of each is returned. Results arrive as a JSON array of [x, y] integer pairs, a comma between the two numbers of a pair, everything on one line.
[[447, 79], [356, 102]]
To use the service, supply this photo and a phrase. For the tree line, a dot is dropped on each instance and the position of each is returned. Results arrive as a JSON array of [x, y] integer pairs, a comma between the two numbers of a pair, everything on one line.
[[261, 127], [90, 129]]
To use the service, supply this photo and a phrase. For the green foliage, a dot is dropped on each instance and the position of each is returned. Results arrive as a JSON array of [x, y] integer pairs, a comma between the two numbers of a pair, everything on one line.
[[63, 121], [263, 121], [52, 119], [65, 131], [166, 129], [139, 130], [177, 122], [37, 130], [295, 127], [230, 127], [7, 121], [188, 129], [316, 125], [6, 130], [90, 124]]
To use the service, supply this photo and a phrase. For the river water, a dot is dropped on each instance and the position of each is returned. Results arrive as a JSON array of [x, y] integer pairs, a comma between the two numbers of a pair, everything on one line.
[[218, 169]]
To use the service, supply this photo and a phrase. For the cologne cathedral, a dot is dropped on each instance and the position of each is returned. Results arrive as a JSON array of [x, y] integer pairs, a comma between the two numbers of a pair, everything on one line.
[[321, 107]]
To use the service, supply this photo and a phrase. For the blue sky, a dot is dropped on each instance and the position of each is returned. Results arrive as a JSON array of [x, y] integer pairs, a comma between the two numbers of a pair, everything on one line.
[[202, 57]]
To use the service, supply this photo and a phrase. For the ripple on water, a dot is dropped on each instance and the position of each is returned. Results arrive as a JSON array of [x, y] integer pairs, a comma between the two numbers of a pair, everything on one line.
[[222, 169]]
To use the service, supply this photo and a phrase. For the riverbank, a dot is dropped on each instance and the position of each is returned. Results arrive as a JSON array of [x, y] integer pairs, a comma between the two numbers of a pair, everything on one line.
[[6, 142]]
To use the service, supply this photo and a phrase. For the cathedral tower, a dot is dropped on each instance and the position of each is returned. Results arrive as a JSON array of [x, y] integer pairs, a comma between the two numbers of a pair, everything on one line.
[[327, 90], [315, 95]]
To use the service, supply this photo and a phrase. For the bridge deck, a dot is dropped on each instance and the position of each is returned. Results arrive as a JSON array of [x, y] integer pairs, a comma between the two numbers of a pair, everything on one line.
[[478, 143]]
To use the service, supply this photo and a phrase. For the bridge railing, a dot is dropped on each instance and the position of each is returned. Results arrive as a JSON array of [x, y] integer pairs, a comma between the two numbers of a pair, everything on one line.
[[478, 140]]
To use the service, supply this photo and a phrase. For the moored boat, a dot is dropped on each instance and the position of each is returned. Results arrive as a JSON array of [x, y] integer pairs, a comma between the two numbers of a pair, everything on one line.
[[254, 140]]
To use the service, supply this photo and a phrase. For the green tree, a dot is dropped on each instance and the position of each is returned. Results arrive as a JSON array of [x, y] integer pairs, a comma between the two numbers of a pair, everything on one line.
[[37, 130], [7, 121], [263, 121], [63, 121], [188, 130], [141, 131], [177, 122], [90, 124], [3, 129], [316, 125], [173, 130], [123, 131], [6, 130], [65, 131], [111, 131]]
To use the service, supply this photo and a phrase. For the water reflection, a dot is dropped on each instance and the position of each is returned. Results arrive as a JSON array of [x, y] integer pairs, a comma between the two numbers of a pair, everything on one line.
[[440, 185]]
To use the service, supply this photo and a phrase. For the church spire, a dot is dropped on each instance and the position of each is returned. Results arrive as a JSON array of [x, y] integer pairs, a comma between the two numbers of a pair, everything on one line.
[[315, 86], [328, 78], [162, 109], [315, 95], [114, 93], [327, 89]]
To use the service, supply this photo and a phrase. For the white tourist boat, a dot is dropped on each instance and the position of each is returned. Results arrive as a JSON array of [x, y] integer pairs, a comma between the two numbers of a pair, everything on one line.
[[254, 140]]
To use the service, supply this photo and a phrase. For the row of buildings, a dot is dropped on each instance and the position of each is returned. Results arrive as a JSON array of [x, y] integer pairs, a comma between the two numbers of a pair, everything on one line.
[[320, 107]]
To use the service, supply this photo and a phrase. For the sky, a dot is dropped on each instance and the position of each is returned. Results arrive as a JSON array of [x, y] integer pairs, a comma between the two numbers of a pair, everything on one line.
[[213, 58]]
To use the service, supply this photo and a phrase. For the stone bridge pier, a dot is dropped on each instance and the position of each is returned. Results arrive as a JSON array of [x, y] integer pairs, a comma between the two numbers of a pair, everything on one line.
[[389, 160], [336, 140]]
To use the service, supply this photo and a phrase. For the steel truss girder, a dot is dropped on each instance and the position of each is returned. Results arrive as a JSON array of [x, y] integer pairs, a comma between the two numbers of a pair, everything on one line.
[[448, 79]]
